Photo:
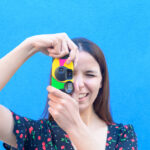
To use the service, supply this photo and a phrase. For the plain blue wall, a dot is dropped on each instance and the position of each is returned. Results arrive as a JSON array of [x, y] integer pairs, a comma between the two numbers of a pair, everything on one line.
[[120, 28]]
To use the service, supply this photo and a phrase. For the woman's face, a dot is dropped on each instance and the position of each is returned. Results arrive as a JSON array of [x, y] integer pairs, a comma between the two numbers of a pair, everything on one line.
[[87, 80]]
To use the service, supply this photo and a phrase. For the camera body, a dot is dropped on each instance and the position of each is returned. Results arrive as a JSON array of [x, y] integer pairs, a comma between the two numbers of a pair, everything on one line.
[[62, 75]]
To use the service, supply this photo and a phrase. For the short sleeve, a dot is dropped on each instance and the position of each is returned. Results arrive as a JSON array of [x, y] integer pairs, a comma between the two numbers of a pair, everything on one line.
[[127, 138], [24, 130]]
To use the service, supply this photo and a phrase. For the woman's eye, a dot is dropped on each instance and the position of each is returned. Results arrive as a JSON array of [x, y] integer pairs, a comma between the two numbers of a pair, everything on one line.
[[90, 75]]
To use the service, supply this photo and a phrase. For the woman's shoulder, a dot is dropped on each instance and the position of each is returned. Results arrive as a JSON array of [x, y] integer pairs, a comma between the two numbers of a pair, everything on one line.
[[29, 131], [123, 135], [121, 128], [20, 119]]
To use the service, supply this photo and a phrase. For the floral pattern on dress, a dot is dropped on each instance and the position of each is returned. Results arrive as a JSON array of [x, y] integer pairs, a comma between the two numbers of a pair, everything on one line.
[[121, 137], [47, 135]]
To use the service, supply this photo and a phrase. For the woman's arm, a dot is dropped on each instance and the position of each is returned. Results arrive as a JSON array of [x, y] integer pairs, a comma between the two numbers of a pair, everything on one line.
[[6, 127], [10, 63]]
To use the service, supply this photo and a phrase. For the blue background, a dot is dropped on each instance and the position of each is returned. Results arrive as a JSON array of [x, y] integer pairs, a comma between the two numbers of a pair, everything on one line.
[[120, 28]]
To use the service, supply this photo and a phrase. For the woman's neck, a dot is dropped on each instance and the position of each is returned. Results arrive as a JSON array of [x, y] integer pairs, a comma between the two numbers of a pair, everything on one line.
[[91, 120]]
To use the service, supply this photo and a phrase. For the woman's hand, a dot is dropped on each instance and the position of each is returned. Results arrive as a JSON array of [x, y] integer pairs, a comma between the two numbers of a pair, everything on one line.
[[64, 109], [55, 45]]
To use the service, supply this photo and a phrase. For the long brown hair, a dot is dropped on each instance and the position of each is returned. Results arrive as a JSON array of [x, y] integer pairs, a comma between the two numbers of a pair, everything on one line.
[[101, 104]]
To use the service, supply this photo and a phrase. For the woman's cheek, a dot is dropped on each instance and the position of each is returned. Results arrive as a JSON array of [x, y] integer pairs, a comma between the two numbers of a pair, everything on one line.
[[94, 86], [93, 83]]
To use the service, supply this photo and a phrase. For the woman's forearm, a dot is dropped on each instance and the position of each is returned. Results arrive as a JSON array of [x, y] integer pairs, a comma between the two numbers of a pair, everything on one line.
[[83, 139], [10, 63]]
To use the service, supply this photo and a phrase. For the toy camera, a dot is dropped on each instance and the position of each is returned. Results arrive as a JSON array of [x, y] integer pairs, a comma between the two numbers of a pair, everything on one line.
[[62, 75]]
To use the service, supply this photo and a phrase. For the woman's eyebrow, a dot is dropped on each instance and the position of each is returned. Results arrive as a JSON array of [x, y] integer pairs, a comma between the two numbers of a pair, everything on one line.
[[91, 71]]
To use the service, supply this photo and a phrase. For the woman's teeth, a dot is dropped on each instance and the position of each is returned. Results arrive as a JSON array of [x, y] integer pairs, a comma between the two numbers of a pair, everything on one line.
[[82, 95]]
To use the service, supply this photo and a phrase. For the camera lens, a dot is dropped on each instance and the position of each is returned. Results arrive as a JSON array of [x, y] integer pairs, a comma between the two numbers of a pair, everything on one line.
[[61, 69], [69, 87], [60, 73]]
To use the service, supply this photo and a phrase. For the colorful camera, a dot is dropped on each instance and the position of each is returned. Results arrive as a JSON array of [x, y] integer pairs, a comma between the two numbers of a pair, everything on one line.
[[62, 75]]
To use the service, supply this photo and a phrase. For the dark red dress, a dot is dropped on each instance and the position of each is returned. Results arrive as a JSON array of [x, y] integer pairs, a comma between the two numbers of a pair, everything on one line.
[[47, 135]]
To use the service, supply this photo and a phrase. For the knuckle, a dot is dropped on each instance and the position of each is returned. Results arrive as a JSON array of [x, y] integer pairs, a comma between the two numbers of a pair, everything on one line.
[[50, 102], [64, 34], [64, 42], [59, 108], [62, 102], [56, 41], [76, 47], [66, 37], [49, 108], [66, 52], [56, 114], [49, 96], [59, 39]]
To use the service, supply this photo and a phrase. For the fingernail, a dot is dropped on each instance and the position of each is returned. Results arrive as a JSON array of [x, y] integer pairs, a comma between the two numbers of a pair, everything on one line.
[[52, 88], [48, 87]]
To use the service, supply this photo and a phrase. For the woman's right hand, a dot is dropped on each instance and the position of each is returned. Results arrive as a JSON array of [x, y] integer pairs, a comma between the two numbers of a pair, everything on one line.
[[55, 45]]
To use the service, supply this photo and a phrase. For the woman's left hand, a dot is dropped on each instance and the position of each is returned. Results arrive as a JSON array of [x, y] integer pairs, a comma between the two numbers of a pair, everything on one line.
[[64, 109]]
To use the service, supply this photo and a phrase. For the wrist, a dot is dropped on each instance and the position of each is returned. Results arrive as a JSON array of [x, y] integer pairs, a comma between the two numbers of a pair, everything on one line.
[[80, 127], [79, 135], [28, 45]]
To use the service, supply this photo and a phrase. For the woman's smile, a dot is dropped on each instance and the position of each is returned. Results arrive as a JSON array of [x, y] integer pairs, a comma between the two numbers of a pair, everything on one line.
[[82, 97]]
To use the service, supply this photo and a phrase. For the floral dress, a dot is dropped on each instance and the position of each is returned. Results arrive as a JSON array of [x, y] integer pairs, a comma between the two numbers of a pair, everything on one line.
[[47, 135]]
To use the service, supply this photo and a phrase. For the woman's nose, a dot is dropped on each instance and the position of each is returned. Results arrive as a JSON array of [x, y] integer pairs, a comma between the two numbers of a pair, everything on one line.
[[78, 83]]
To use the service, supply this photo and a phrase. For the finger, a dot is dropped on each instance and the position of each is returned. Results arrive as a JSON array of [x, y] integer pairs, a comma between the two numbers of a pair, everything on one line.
[[71, 57], [56, 55], [62, 54], [73, 50], [45, 40], [56, 92], [51, 50], [65, 49], [52, 103], [76, 58], [58, 47], [51, 110], [59, 94], [53, 98]]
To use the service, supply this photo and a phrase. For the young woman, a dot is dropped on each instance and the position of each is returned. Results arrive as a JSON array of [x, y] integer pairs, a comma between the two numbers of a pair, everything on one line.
[[79, 121]]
